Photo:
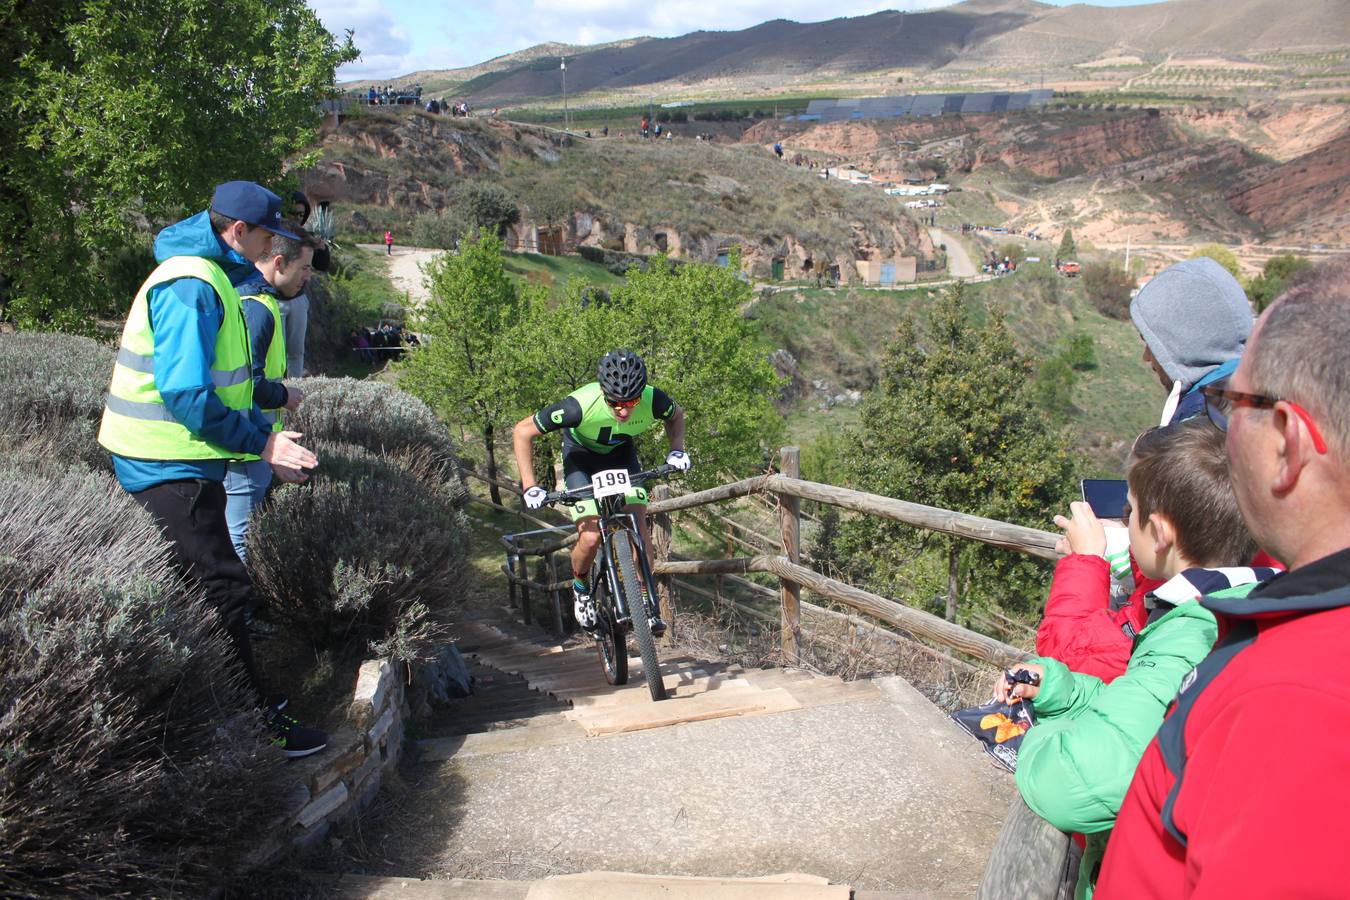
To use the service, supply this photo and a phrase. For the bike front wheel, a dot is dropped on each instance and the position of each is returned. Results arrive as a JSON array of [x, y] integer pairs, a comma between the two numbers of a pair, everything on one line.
[[621, 546], [611, 644]]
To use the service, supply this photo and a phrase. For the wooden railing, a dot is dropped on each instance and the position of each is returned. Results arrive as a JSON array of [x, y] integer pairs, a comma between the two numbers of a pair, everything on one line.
[[1030, 858]]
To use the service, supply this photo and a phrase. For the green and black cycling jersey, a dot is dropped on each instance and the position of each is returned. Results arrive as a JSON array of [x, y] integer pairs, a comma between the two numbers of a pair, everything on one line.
[[587, 421]]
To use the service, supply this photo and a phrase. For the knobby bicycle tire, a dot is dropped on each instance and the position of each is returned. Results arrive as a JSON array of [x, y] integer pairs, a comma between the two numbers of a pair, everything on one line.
[[612, 645], [621, 546]]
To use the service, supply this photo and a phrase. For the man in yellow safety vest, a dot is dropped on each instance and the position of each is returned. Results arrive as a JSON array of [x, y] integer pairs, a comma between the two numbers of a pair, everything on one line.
[[180, 407]]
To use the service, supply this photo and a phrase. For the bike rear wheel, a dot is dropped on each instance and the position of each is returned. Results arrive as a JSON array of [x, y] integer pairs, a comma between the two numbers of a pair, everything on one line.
[[621, 546], [611, 644]]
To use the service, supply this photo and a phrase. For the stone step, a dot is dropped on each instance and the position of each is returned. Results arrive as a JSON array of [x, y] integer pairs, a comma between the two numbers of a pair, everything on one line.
[[542, 731], [677, 710], [374, 887]]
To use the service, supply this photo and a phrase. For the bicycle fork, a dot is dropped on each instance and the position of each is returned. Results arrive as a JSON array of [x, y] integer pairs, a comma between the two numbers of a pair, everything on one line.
[[622, 602]]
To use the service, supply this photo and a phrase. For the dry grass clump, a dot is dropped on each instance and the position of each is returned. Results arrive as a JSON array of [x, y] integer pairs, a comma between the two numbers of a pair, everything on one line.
[[130, 763], [371, 549], [53, 391], [382, 419]]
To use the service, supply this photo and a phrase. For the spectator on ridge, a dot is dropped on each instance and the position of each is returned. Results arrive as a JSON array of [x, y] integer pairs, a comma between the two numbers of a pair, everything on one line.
[[1073, 767], [180, 407], [1194, 319], [1239, 793]]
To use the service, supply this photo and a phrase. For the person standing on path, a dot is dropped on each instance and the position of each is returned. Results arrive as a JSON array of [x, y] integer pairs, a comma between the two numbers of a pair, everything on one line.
[[282, 274], [388, 243], [180, 406], [295, 311]]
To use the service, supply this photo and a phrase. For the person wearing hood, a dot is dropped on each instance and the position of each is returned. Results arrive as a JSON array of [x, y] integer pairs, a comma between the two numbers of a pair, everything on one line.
[[1242, 792], [180, 407], [1194, 319]]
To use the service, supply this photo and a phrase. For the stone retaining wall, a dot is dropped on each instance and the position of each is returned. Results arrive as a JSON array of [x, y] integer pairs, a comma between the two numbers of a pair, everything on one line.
[[344, 778]]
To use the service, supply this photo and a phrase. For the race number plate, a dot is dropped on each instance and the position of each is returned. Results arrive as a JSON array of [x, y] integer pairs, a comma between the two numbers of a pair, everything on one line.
[[610, 482]]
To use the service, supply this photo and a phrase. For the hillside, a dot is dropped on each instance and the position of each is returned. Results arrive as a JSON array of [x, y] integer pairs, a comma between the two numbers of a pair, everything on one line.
[[1198, 45], [693, 199], [1267, 172]]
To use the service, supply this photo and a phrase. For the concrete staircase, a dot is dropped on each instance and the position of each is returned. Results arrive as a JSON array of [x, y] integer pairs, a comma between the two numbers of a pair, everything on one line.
[[548, 772]]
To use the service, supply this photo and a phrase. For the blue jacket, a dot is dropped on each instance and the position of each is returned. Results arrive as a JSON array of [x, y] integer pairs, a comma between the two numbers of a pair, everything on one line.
[[261, 326], [185, 315], [1193, 402]]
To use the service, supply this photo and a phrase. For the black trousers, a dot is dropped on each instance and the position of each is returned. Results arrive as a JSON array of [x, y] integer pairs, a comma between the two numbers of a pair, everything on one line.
[[191, 514]]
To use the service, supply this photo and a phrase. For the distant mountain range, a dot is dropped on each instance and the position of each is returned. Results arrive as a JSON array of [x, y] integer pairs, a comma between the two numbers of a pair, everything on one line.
[[971, 36]]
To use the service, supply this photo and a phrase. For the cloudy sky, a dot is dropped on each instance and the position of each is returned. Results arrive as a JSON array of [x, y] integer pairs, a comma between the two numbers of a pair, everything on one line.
[[401, 36]]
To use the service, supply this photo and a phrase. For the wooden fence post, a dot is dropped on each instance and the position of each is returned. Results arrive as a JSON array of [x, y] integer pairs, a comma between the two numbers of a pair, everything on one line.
[[789, 529], [660, 530], [555, 596], [511, 566], [524, 567]]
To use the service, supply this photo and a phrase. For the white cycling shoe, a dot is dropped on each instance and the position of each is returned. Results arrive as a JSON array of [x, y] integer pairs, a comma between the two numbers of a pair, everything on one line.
[[583, 609]]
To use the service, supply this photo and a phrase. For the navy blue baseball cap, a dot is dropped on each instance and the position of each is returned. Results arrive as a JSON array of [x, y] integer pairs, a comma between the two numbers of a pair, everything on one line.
[[251, 203]]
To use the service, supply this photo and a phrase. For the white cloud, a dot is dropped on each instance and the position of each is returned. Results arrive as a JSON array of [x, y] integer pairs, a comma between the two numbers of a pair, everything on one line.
[[400, 36], [385, 43]]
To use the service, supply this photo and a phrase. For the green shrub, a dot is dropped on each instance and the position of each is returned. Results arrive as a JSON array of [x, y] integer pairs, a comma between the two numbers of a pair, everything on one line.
[[1108, 286], [53, 392], [438, 229], [382, 419], [1053, 388], [487, 205], [367, 550], [129, 762], [1080, 351]]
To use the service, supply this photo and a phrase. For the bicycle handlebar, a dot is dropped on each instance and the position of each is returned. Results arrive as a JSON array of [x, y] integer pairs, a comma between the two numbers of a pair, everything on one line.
[[637, 479]]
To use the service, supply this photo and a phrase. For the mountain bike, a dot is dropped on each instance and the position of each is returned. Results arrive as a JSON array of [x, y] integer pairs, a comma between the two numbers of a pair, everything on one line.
[[619, 575]]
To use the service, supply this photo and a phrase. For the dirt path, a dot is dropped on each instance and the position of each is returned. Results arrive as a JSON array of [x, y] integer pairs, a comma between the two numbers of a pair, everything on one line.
[[959, 264], [405, 269]]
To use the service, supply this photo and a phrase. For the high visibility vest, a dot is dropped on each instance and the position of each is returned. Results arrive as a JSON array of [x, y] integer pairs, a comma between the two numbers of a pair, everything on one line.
[[274, 364], [136, 422]]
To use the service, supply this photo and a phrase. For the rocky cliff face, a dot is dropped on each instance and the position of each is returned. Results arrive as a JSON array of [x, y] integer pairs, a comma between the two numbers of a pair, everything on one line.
[[1306, 199], [412, 163], [1157, 174]]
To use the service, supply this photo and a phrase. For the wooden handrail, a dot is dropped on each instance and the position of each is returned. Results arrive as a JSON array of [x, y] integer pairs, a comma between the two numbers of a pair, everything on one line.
[[712, 495], [915, 621], [1031, 541]]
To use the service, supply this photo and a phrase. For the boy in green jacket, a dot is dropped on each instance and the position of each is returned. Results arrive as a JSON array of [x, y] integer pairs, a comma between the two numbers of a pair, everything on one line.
[[1074, 766]]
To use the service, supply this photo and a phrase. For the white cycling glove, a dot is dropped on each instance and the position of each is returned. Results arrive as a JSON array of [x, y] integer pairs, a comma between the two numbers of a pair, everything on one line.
[[679, 459], [534, 497]]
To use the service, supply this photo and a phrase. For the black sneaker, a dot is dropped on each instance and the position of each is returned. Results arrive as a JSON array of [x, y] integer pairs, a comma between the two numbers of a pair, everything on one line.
[[658, 626], [275, 702], [294, 739], [260, 629]]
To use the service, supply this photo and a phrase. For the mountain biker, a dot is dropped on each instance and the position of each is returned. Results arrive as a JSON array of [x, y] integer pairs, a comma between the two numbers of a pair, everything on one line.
[[599, 423]]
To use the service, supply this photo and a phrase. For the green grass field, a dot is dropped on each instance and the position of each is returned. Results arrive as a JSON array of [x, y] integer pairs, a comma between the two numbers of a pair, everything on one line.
[[554, 272]]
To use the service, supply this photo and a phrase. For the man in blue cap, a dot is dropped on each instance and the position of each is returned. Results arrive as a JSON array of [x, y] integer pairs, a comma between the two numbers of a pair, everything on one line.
[[180, 407]]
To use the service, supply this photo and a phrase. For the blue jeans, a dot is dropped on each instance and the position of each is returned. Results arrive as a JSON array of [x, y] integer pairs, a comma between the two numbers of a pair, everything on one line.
[[245, 487], [295, 322]]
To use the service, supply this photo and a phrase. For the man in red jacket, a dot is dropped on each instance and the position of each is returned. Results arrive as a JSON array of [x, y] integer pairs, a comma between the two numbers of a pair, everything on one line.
[[1241, 792]]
